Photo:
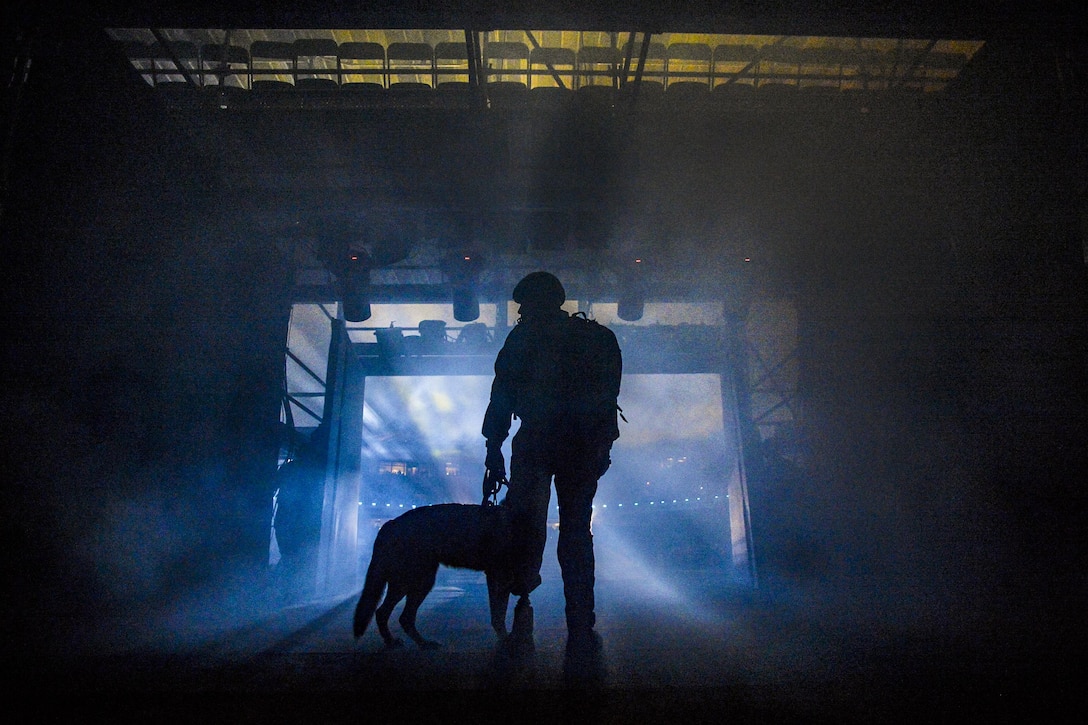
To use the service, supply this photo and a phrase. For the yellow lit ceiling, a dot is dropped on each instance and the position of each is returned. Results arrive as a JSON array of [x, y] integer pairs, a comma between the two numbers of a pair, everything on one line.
[[573, 59]]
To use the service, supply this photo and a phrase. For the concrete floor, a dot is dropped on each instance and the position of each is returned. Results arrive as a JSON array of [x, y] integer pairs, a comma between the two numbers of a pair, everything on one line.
[[697, 647]]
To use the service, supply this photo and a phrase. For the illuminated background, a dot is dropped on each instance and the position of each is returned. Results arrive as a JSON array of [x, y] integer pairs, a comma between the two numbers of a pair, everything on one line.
[[672, 466], [663, 490]]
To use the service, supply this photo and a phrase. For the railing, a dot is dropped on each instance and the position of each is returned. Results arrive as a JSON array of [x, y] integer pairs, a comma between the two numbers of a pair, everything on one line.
[[322, 64]]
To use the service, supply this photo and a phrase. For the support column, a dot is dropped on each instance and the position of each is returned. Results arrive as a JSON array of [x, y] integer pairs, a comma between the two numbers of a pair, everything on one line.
[[338, 555], [738, 429]]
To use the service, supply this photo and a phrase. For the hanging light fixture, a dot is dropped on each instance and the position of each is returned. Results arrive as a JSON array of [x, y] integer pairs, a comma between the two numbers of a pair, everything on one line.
[[462, 271], [355, 287]]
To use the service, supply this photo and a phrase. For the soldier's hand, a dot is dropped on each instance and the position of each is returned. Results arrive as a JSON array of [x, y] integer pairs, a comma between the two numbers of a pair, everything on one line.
[[495, 463], [490, 486]]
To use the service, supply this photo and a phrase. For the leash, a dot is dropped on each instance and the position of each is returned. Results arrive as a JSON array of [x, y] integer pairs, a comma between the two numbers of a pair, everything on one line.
[[491, 486]]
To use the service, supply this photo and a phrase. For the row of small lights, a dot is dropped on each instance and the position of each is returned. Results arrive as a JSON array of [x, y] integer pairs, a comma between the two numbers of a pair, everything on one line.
[[698, 499]]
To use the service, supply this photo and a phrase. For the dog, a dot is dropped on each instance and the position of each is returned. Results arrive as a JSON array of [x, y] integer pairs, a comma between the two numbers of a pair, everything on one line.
[[408, 551]]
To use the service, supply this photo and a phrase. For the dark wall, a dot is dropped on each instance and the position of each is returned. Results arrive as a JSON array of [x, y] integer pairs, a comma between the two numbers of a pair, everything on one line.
[[943, 305], [146, 322]]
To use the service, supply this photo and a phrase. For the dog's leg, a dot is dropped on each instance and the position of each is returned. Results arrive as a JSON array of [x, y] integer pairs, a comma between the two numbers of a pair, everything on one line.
[[393, 595], [408, 620], [498, 595]]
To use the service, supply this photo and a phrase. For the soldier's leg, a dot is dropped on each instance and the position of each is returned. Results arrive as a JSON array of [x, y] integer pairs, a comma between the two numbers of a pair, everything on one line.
[[528, 499], [575, 548]]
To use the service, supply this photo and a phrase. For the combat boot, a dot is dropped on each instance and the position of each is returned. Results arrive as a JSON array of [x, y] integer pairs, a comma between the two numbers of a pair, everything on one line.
[[583, 663]]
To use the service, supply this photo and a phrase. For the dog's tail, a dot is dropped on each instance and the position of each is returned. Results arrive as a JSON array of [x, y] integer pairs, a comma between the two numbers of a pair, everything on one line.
[[373, 587]]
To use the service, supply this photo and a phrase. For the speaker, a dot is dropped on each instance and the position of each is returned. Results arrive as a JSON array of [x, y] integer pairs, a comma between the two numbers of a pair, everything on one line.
[[466, 305]]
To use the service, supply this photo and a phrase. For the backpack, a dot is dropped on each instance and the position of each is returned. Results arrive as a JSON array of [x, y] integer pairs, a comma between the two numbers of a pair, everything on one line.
[[591, 381]]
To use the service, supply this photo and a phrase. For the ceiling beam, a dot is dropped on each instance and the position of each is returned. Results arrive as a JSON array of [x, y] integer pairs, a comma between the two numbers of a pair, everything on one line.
[[974, 19]]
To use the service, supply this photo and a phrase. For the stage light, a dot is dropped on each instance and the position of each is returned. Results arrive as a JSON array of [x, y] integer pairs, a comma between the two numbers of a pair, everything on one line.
[[432, 336], [630, 310], [466, 306], [462, 270], [390, 341], [355, 288]]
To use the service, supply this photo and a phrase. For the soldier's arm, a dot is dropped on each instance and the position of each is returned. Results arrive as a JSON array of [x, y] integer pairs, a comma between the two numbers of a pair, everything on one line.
[[500, 409]]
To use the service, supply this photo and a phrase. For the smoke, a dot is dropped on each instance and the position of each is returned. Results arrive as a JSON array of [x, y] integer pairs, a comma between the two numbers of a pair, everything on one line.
[[664, 498]]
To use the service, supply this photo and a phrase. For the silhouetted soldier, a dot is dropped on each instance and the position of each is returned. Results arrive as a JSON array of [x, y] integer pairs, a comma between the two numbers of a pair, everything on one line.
[[560, 374], [301, 483]]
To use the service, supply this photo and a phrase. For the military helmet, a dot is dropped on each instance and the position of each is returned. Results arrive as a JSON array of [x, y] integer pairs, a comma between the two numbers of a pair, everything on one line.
[[540, 289]]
